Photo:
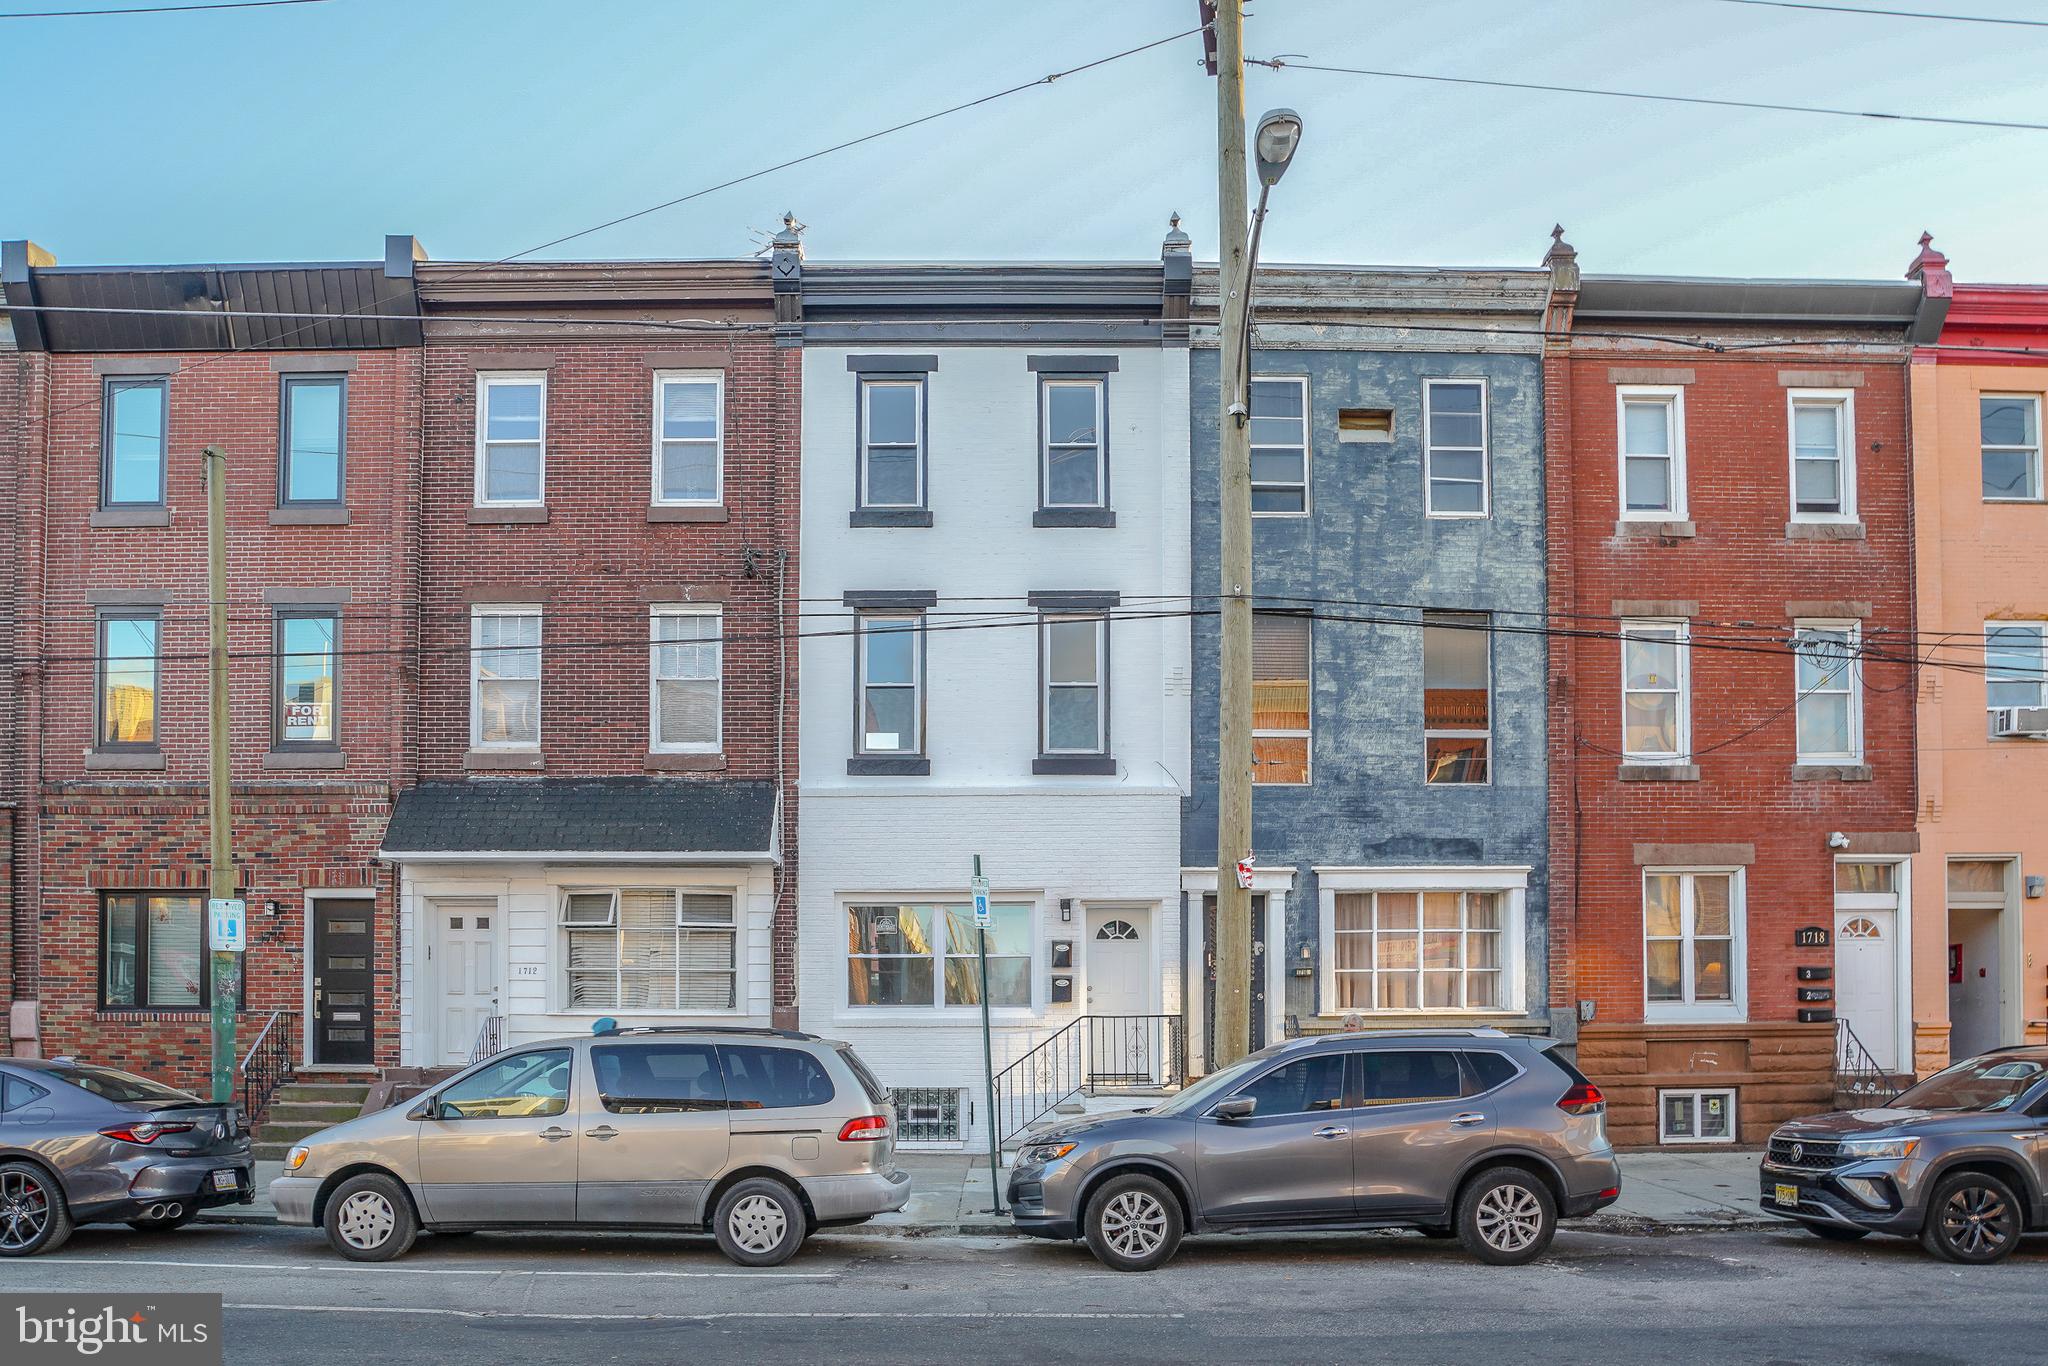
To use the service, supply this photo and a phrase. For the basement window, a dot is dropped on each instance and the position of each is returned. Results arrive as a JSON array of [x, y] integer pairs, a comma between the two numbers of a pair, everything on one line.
[[1696, 1116], [927, 1115], [1365, 424]]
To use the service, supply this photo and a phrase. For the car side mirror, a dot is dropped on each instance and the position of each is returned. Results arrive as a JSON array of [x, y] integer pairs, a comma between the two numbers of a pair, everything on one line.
[[1237, 1107], [423, 1110]]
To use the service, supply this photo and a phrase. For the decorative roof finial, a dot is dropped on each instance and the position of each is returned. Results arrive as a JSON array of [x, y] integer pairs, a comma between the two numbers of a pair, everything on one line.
[[1176, 240]]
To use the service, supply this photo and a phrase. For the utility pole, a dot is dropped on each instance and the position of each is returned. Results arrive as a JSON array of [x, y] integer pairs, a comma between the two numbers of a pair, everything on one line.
[[1233, 946], [221, 880]]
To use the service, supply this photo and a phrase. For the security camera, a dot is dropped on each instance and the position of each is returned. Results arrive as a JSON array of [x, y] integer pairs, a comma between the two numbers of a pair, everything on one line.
[[1838, 840]]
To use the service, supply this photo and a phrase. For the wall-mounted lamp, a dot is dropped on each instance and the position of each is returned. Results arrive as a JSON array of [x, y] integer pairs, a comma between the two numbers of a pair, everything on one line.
[[1838, 840], [272, 907], [1066, 910]]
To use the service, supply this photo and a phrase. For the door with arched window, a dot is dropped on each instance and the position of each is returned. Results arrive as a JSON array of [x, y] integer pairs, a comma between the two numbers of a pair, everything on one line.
[[1867, 956], [1122, 1049]]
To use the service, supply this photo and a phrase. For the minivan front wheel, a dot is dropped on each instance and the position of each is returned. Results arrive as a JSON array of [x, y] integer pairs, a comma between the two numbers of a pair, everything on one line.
[[1506, 1217], [1133, 1223], [1972, 1218], [369, 1219], [759, 1222]]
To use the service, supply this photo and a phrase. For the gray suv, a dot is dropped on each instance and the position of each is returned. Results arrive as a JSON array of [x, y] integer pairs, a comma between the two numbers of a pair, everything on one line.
[[1473, 1134], [1959, 1161]]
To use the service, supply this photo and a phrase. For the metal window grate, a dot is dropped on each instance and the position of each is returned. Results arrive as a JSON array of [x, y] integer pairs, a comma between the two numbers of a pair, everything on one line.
[[927, 1114]]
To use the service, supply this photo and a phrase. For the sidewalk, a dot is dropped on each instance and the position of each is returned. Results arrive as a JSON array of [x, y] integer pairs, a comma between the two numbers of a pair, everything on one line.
[[1685, 1192]]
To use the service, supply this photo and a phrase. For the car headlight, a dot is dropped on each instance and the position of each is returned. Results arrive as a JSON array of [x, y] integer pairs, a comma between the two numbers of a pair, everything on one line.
[[296, 1158], [1862, 1149], [1044, 1154]]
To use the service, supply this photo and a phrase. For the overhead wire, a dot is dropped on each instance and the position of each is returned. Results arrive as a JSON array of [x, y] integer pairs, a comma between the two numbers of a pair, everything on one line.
[[153, 9], [1892, 13]]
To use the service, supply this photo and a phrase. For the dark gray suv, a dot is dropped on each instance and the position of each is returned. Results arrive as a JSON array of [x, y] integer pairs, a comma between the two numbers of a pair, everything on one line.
[[1959, 1161], [1473, 1134]]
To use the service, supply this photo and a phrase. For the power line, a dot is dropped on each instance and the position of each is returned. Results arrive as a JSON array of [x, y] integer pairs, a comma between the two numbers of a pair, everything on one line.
[[1284, 64], [1893, 13], [152, 9]]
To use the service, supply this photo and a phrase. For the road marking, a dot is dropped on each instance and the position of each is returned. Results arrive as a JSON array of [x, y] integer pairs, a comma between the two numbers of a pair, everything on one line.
[[694, 1318], [434, 1270]]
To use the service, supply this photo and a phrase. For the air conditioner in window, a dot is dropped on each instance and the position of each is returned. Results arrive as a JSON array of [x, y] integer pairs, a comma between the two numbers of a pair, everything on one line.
[[2020, 721]]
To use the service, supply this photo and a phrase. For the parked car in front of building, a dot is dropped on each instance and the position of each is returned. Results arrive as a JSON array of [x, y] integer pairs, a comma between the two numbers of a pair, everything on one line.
[[760, 1136], [1474, 1134], [1959, 1161], [81, 1144]]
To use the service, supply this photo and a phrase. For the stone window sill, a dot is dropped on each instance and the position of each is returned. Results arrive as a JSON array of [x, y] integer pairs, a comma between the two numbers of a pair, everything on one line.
[[141, 761], [130, 517], [659, 761], [1838, 773], [663, 512], [1075, 764], [305, 758], [889, 517], [515, 516], [309, 516], [888, 765], [1657, 773], [1823, 531], [1074, 517], [1673, 530], [503, 760]]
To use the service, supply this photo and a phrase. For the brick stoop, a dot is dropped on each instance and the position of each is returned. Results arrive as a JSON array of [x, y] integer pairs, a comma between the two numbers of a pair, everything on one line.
[[300, 1108]]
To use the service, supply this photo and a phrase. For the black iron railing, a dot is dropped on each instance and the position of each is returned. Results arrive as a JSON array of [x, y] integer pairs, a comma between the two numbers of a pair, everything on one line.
[[1859, 1081], [269, 1063], [490, 1039], [1090, 1054]]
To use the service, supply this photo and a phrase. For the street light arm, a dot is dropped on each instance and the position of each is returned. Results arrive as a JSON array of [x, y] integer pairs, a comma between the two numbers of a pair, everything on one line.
[[1251, 275]]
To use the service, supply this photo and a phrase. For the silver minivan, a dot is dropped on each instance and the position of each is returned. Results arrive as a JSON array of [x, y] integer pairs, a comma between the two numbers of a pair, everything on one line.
[[759, 1135]]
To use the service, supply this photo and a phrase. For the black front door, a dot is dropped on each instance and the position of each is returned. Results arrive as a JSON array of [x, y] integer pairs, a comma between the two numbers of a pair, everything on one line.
[[1258, 973], [344, 1010]]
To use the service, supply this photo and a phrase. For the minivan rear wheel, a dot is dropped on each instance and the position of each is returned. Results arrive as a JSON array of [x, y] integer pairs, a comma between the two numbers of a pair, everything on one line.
[[370, 1219], [1506, 1217], [759, 1222], [1133, 1223]]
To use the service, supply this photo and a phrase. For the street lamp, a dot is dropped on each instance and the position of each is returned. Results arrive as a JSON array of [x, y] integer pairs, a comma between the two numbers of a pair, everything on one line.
[[1279, 133]]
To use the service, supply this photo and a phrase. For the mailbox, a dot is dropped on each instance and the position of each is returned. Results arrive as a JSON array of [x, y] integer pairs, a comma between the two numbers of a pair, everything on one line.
[[1816, 1016], [1062, 989], [1063, 953]]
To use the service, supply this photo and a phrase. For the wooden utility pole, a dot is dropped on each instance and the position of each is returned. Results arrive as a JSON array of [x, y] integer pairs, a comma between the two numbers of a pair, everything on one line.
[[220, 818], [1233, 945]]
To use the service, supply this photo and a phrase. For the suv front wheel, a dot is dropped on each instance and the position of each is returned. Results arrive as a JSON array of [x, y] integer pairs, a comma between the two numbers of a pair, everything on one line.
[[1506, 1216], [1972, 1218], [1133, 1223]]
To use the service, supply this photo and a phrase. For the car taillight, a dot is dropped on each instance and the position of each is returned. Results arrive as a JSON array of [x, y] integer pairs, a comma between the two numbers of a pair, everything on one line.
[[865, 1129], [1584, 1099], [146, 1132]]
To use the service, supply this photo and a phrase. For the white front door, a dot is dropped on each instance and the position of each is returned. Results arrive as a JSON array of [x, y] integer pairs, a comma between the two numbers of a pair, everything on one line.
[[1125, 1038], [1867, 973], [465, 961]]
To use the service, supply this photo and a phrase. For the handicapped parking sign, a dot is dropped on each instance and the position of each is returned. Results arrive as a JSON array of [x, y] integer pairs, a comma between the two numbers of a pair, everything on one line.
[[980, 888], [230, 924]]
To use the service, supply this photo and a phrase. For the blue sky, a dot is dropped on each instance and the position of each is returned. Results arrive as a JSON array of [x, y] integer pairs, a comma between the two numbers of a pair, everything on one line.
[[487, 126]]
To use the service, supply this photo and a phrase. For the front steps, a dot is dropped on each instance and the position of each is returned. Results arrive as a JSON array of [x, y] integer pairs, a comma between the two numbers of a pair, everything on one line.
[[298, 1109]]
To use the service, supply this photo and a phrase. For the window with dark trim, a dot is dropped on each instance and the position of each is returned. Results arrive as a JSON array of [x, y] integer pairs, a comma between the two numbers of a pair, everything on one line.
[[892, 465], [307, 711], [1073, 449], [1074, 684], [153, 951], [891, 683], [312, 440], [133, 441], [128, 678]]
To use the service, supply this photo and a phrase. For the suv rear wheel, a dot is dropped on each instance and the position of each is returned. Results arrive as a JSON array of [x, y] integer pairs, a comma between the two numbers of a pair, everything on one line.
[[759, 1222], [1133, 1223], [1506, 1216], [1972, 1218]]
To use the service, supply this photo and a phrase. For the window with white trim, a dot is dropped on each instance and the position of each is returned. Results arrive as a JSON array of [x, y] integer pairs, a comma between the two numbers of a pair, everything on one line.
[[504, 677], [1282, 650], [2009, 431], [1073, 471], [1692, 944], [2015, 664], [925, 956], [1454, 440], [689, 438], [650, 948], [1074, 711], [1696, 1116], [511, 439], [686, 667], [1279, 440], [1652, 441], [1457, 710], [1419, 950], [1656, 726], [891, 442], [1828, 675], [1822, 424], [891, 683]]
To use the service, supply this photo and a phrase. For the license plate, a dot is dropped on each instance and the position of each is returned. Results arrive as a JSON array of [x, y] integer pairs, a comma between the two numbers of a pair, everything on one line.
[[1787, 1196], [227, 1181]]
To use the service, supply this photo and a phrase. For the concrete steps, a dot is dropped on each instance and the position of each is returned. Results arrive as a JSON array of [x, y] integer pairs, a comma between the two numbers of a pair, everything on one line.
[[301, 1108]]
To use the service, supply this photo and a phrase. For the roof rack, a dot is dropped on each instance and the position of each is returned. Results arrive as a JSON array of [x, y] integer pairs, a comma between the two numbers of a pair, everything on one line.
[[606, 1029]]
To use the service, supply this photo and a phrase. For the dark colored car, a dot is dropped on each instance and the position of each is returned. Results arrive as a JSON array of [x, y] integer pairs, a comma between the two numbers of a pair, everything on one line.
[[1959, 1161], [1473, 1134], [82, 1145]]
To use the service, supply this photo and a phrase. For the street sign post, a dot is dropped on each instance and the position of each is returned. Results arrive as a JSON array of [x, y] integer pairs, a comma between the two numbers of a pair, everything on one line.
[[980, 889], [979, 886], [230, 928]]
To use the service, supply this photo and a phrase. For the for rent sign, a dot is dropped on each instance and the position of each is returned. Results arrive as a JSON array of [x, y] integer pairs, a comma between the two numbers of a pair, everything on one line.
[[119, 1330]]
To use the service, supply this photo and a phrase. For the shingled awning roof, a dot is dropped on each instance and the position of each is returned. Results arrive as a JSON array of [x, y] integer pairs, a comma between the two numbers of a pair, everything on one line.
[[612, 819]]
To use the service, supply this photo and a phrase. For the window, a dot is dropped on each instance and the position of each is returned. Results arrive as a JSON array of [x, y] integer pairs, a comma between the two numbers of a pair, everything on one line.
[[504, 659], [313, 424], [308, 699], [1076, 702], [1823, 426], [1652, 453], [917, 956], [658, 1078], [1830, 702], [891, 684], [521, 1086], [1279, 434], [133, 442], [511, 439], [1655, 725], [153, 952], [1692, 933], [1696, 1116], [689, 438], [1280, 698], [1075, 472], [1454, 447], [892, 443], [128, 669], [650, 948], [2014, 663], [1405, 1077], [1304, 1086], [1490, 1070], [687, 662], [1456, 701], [763, 1077], [1418, 950], [2009, 427], [17, 1093]]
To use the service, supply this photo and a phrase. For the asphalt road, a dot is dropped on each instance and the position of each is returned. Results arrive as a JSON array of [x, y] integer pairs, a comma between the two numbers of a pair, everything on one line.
[[1778, 1297]]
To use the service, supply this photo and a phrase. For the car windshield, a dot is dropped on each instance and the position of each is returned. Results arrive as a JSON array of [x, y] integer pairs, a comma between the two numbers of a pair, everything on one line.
[[125, 1087], [1212, 1086], [1989, 1083]]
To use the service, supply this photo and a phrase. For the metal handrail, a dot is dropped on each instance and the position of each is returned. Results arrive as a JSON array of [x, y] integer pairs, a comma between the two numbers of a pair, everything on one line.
[[490, 1039], [269, 1063], [1856, 1070], [1087, 1052]]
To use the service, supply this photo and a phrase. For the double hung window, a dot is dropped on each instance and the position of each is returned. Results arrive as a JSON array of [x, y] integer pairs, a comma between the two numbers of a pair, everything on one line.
[[1074, 472], [1829, 702], [1454, 447], [689, 438], [1823, 427], [505, 678], [511, 439], [1281, 652], [1456, 697], [2015, 665], [1279, 440], [1655, 725], [1692, 944], [891, 683], [1652, 453], [687, 654], [892, 443], [659, 948], [2009, 431], [1075, 707]]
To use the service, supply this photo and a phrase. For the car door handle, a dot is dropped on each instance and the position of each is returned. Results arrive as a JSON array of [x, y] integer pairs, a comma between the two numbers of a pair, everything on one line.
[[1332, 1131], [1467, 1120], [556, 1132], [601, 1131]]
